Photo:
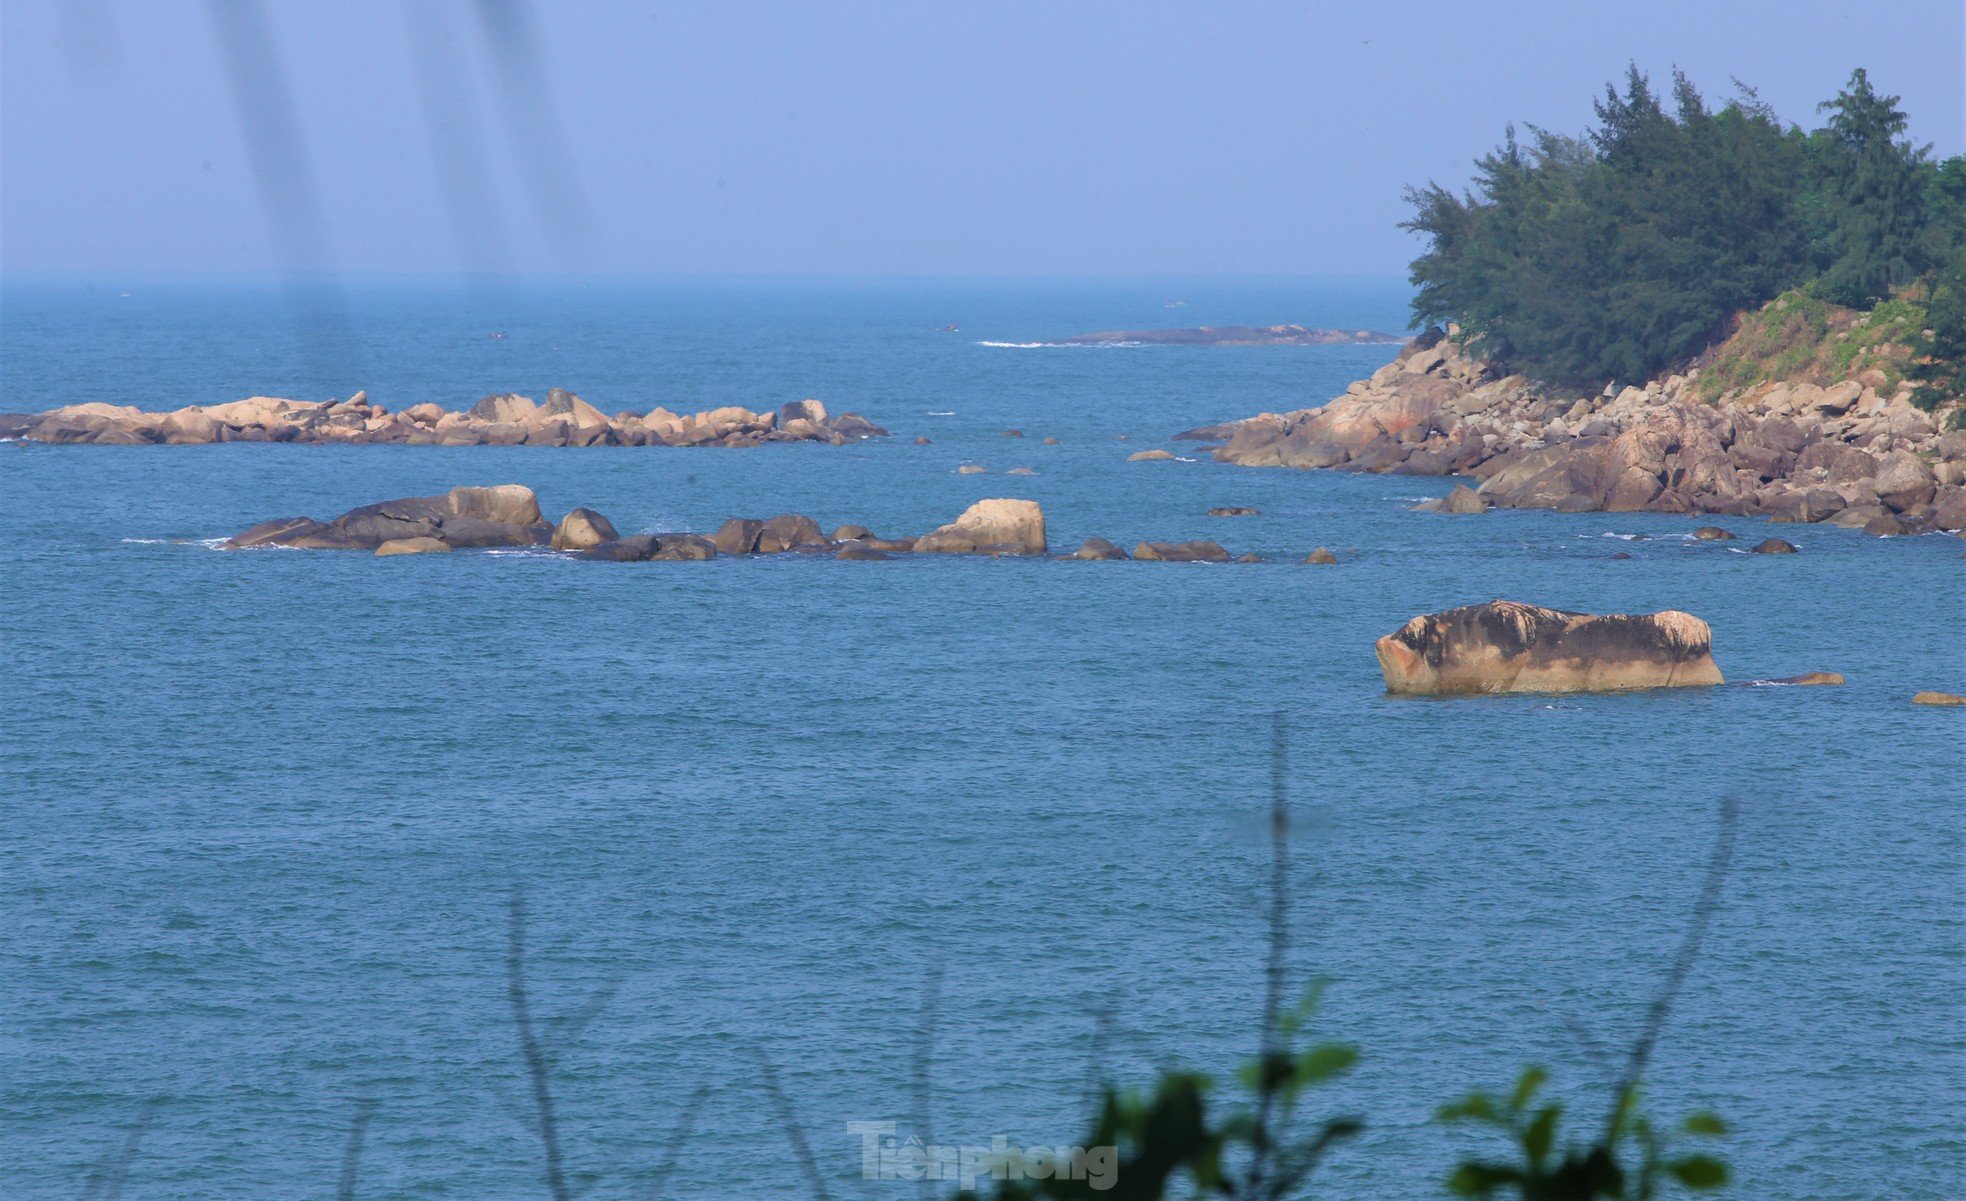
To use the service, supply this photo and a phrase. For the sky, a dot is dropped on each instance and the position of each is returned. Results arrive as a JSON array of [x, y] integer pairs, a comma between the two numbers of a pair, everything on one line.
[[924, 138]]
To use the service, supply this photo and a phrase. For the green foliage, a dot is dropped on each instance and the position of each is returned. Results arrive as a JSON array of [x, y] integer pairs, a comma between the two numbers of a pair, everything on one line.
[[1168, 1137], [1628, 1161], [1798, 336], [1613, 256], [1939, 346]]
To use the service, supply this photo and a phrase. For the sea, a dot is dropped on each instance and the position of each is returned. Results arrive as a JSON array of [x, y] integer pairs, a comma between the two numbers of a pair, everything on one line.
[[790, 846]]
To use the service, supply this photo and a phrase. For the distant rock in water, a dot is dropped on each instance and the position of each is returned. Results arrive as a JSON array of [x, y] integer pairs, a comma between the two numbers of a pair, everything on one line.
[[1233, 335], [1937, 698], [506, 515], [1506, 646], [502, 419], [1181, 552], [997, 526]]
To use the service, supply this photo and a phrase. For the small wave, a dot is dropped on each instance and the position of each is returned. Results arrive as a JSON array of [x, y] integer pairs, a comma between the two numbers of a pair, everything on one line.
[[941, 413], [1062, 345], [1622, 537]]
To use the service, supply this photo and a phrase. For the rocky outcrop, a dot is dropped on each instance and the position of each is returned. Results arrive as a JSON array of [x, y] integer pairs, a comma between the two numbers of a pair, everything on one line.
[[1504, 646], [1000, 526], [498, 420], [1786, 451], [506, 515]]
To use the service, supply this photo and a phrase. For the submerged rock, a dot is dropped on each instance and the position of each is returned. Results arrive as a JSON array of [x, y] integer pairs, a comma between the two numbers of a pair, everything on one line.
[[413, 546], [1775, 546], [997, 526], [1148, 456], [1321, 556], [1098, 549], [1713, 533], [1181, 552], [1937, 698], [1506, 646]]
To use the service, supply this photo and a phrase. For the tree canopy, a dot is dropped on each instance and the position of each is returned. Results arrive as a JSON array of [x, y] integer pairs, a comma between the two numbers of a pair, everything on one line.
[[1613, 256]]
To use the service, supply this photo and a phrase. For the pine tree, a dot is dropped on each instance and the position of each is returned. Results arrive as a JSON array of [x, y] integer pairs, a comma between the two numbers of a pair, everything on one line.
[[1877, 190]]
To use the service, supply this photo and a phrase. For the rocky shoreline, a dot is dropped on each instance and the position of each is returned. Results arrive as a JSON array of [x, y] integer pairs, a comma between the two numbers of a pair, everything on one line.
[[504, 419], [1846, 454]]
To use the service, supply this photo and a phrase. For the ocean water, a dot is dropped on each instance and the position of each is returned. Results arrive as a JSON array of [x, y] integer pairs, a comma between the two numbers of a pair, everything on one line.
[[263, 812]]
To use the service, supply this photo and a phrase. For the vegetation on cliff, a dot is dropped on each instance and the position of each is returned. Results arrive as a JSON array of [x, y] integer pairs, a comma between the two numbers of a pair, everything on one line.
[[1616, 255]]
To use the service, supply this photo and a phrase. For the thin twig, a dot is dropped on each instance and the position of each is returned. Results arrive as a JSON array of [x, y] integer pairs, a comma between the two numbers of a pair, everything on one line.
[[1279, 944], [768, 1076], [536, 1070], [672, 1154], [106, 1182], [351, 1157], [924, 1060], [1689, 947]]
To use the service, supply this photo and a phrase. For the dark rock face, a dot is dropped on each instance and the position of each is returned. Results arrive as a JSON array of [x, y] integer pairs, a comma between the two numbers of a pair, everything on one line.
[[1181, 552], [680, 547], [859, 552], [1713, 533], [1505, 646], [507, 515], [1775, 546]]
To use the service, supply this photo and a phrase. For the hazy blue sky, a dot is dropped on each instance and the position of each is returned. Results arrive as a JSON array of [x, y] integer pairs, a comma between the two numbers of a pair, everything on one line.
[[924, 138]]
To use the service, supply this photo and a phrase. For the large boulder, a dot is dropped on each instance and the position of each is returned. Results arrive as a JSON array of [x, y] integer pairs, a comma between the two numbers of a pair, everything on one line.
[[738, 536], [505, 515], [1904, 481], [1505, 646], [788, 531], [996, 526], [1098, 549], [583, 529]]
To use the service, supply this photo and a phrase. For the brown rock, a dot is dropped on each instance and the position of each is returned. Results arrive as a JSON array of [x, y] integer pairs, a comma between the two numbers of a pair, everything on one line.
[[683, 546], [1098, 549], [1937, 698], [738, 536], [1774, 546], [1181, 552], [1812, 679], [1505, 646], [1904, 481], [848, 533], [789, 531], [1149, 456], [1234, 511], [858, 552], [1886, 525], [1713, 533], [969, 469], [583, 529], [1321, 556]]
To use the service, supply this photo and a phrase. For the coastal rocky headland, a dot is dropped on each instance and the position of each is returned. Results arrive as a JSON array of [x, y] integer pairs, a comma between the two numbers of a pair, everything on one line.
[[505, 419], [1856, 453], [1506, 646], [1232, 335]]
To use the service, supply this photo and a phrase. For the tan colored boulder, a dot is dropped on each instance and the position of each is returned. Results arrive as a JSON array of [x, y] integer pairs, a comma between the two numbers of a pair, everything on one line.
[[1937, 698], [1904, 481], [969, 469], [189, 426], [1463, 501], [996, 526], [1321, 556], [1506, 646], [583, 529], [1812, 679], [413, 546], [802, 410], [426, 413], [1149, 456], [738, 536], [506, 504], [850, 533]]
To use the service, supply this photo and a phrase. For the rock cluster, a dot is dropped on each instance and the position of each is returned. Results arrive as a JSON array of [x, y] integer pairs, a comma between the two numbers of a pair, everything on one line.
[[499, 420], [1505, 646], [1787, 451]]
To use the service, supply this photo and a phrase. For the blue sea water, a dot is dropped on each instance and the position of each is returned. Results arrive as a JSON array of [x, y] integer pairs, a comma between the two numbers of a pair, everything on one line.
[[261, 813]]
